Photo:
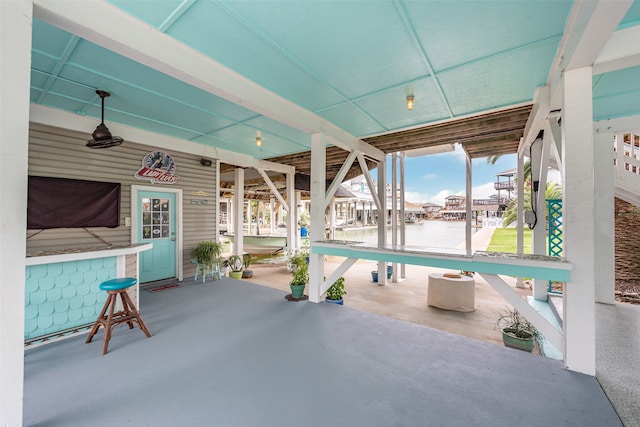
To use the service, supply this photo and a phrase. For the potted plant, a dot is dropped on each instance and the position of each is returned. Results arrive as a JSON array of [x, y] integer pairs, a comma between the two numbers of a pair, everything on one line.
[[517, 332], [236, 265], [246, 261], [300, 274], [206, 254], [335, 292]]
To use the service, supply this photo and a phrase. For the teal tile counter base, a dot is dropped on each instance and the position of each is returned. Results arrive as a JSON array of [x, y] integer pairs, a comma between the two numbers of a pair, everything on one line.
[[64, 295]]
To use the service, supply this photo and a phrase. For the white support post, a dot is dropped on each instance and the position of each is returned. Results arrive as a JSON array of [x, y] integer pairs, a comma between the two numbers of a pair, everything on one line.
[[298, 209], [317, 208], [238, 212], [540, 231], [272, 215], [231, 215], [292, 213], [469, 202], [216, 201], [604, 218], [394, 210], [332, 220], [579, 220], [520, 214], [15, 61], [402, 224], [382, 218]]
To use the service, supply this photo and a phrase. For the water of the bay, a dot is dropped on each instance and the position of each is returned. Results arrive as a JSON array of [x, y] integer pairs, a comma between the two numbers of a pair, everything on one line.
[[435, 234]]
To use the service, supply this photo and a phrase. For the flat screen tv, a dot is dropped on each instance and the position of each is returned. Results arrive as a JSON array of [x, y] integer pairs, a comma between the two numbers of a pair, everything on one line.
[[72, 203]]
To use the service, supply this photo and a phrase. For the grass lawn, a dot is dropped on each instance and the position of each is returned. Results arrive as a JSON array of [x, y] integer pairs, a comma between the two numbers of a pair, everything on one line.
[[504, 240]]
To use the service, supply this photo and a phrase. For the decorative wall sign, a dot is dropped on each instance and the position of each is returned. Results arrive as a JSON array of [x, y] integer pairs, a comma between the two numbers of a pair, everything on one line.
[[158, 167]]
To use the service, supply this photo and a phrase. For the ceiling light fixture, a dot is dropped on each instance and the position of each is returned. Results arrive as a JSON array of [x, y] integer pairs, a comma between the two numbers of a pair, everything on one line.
[[258, 140], [102, 138], [410, 102]]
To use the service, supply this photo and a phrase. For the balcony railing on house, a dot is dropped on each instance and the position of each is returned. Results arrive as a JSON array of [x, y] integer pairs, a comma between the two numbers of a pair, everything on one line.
[[627, 166], [491, 202], [507, 185]]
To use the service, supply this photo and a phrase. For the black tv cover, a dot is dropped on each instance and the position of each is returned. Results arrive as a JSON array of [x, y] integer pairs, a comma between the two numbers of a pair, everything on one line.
[[72, 203]]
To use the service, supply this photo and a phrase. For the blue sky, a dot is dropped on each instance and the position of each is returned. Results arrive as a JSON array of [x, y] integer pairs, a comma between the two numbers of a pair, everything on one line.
[[434, 177]]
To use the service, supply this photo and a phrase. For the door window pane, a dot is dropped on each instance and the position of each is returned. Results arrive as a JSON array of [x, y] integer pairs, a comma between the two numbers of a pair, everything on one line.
[[156, 218]]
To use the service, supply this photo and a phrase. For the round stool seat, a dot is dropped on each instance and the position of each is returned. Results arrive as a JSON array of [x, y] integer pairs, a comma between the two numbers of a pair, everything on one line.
[[118, 284]]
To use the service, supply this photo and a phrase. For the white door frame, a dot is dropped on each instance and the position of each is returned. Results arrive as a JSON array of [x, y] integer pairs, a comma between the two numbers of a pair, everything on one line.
[[135, 189]]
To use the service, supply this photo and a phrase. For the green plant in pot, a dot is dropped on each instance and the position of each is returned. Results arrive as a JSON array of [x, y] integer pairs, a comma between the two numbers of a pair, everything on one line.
[[517, 332], [300, 274], [246, 262], [236, 264], [335, 292], [207, 253]]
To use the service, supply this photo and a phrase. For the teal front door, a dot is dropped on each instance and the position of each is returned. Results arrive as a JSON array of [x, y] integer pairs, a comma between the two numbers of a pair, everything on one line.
[[157, 225]]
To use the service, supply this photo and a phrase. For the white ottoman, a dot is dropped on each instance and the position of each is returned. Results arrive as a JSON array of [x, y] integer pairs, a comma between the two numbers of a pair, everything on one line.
[[451, 293]]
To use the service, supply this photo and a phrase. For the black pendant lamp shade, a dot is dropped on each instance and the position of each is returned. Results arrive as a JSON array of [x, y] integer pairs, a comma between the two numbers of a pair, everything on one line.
[[102, 138]]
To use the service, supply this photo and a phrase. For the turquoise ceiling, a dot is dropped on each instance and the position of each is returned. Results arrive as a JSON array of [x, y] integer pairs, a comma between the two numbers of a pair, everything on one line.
[[351, 62]]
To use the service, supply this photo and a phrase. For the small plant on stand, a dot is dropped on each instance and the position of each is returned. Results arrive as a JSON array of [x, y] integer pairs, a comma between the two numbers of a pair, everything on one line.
[[206, 254]]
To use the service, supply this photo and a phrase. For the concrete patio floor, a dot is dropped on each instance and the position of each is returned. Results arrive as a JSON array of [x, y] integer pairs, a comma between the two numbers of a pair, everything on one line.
[[406, 300]]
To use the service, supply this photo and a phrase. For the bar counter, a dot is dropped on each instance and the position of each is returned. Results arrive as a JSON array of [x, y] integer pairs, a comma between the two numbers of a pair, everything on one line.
[[62, 287]]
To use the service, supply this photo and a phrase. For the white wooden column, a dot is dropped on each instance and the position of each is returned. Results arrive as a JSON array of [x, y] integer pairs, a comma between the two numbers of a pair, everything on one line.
[[394, 210], [540, 231], [469, 202], [272, 215], [579, 220], [317, 208], [297, 207], [382, 218], [332, 219], [238, 212], [216, 201], [403, 230], [520, 214], [15, 61], [292, 214], [604, 218]]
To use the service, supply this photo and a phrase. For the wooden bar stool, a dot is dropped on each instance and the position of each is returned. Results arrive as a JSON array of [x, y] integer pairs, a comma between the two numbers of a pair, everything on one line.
[[128, 314]]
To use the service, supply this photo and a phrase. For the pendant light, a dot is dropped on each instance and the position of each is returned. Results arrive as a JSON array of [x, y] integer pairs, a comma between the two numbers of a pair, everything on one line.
[[102, 138]]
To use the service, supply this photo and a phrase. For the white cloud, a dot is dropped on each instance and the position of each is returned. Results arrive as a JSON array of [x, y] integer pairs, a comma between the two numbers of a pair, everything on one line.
[[430, 176], [414, 197], [438, 199], [483, 191]]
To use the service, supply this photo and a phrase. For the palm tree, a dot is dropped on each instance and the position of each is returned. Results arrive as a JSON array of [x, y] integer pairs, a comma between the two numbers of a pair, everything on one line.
[[553, 191], [491, 160]]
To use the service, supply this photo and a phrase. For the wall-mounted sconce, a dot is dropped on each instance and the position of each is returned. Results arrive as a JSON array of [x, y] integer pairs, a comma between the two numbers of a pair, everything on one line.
[[206, 162], [258, 141], [410, 102]]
